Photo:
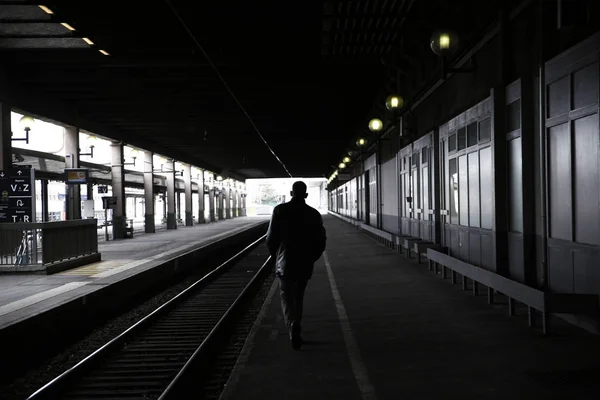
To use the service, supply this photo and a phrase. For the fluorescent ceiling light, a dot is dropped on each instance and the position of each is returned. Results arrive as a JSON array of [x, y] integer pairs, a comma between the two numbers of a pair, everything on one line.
[[88, 41], [46, 10], [69, 27], [104, 52]]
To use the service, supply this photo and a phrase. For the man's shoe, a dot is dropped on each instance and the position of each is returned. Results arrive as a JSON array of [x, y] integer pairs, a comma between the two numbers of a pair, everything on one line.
[[296, 340]]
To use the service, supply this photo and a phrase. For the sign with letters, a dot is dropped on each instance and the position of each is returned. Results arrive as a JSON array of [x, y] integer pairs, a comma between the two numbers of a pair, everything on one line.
[[17, 194]]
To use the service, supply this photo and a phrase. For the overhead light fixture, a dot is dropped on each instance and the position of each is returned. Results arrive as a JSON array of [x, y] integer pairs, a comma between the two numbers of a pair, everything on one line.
[[46, 10], [69, 27], [361, 142], [375, 125], [88, 41], [342, 165], [104, 52], [394, 102], [347, 160], [27, 122]]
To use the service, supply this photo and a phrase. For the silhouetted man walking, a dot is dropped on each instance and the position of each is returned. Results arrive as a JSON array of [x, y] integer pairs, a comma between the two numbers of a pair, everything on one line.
[[297, 238]]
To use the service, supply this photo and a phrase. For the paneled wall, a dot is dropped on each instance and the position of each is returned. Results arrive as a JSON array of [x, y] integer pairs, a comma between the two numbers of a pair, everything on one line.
[[441, 187], [573, 170]]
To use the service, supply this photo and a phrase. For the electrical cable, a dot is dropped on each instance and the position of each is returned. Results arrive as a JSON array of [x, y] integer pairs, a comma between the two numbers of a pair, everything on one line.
[[226, 85]]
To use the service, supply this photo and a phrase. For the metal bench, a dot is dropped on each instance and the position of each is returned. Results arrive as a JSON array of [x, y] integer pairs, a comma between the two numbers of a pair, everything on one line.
[[543, 301]]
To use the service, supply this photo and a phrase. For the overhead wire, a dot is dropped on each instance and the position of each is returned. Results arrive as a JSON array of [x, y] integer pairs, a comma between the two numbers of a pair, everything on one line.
[[214, 67]]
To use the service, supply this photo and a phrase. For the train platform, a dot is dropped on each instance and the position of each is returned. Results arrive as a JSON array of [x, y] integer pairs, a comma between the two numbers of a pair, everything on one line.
[[25, 296], [379, 326]]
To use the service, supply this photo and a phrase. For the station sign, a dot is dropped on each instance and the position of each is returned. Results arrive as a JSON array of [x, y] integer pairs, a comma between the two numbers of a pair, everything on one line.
[[109, 202], [17, 194], [102, 189], [76, 175]]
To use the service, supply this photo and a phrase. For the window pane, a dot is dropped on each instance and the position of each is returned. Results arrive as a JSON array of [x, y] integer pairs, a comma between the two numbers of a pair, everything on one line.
[[486, 185], [453, 181], [474, 189], [513, 116], [472, 134], [585, 86], [452, 143], [462, 138], [425, 154], [463, 196], [515, 186], [485, 130], [558, 97], [559, 176]]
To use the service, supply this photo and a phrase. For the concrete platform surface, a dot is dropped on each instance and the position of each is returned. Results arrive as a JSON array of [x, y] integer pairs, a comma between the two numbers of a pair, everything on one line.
[[378, 326], [22, 296]]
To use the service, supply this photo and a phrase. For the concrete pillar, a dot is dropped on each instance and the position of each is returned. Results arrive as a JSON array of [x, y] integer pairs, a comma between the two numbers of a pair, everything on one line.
[[238, 196], [227, 193], [5, 138], [221, 204], [118, 189], [178, 203], [243, 195], [234, 209], [73, 200], [201, 205], [149, 226], [171, 217], [189, 210], [211, 205], [44, 197]]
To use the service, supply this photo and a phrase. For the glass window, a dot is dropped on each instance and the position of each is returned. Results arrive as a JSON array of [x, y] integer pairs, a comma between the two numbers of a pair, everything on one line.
[[462, 138], [486, 182], [425, 155], [474, 192], [453, 182], [472, 134], [513, 116], [485, 130], [452, 143], [463, 189]]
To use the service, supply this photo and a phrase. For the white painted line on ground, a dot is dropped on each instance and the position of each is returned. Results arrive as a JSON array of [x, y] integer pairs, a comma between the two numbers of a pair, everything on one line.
[[367, 390], [242, 360], [36, 298]]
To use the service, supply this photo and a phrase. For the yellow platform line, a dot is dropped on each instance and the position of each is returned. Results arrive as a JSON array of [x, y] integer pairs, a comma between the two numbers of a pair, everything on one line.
[[95, 268]]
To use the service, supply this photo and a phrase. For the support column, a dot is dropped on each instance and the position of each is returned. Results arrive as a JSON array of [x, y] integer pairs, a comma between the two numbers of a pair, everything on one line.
[[44, 197], [201, 205], [73, 200], [149, 226], [211, 205], [221, 204], [171, 218], [5, 138], [189, 210], [235, 210], [118, 189], [178, 204], [227, 193], [244, 204]]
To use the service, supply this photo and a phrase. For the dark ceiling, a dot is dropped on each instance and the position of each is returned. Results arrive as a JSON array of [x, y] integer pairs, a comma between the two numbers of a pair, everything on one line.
[[309, 74]]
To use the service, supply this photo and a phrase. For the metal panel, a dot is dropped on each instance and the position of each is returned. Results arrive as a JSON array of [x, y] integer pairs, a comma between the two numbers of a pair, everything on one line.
[[560, 268], [370, 162], [463, 191], [586, 180], [474, 248], [389, 191], [487, 251], [463, 238], [486, 185], [516, 267], [515, 186], [373, 197], [474, 191], [559, 173]]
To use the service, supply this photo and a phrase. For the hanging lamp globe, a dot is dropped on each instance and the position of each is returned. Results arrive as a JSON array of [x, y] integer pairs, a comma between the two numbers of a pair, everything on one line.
[[394, 102], [375, 125], [444, 42]]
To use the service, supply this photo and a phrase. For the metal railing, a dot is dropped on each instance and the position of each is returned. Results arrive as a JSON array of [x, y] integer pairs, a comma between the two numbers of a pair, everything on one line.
[[43, 243]]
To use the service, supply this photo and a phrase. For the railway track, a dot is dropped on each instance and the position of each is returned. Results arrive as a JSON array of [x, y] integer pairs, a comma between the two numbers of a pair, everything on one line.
[[172, 347]]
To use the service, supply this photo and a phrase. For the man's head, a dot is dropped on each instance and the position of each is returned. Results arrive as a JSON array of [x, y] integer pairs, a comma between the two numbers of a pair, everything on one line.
[[299, 190]]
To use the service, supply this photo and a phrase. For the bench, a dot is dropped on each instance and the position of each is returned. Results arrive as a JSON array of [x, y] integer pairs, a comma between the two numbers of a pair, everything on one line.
[[543, 301], [409, 242]]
